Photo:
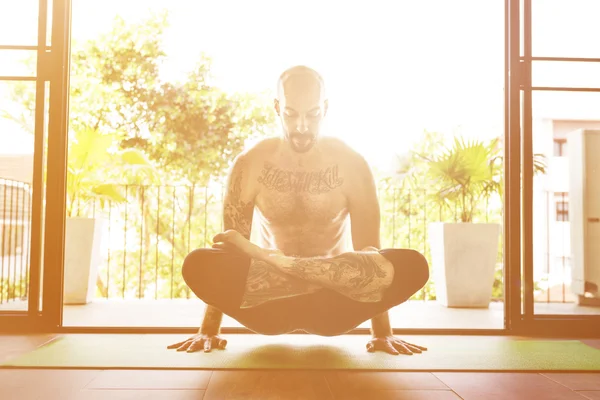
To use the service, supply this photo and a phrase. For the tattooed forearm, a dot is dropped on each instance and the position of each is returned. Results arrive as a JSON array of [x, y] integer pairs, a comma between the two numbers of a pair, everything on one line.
[[265, 283], [211, 325], [363, 276], [237, 214]]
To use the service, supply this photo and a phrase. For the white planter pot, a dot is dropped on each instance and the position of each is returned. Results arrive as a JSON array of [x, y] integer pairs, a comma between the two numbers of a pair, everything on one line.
[[82, 256], [463, 257]]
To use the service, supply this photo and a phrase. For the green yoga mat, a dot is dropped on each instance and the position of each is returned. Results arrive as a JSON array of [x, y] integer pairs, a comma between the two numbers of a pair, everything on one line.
[[446, 353]]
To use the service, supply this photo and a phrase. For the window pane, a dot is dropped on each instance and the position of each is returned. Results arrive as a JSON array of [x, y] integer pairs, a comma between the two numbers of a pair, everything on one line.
[[19, 22], [18, 63], [558, 276], [16, 174], [565, 74], [565, 28]]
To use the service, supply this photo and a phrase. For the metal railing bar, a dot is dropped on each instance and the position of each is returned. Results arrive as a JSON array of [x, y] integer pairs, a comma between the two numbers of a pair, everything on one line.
[[18, 78], [23, 47], [2, 246], [125, 241], [563, 89], [564, 59], [173, 243], [108, 261], [141, 244], [157, 243]]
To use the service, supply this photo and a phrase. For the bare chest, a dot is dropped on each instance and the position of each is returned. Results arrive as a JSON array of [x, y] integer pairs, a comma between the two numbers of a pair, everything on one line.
[[301, 196]]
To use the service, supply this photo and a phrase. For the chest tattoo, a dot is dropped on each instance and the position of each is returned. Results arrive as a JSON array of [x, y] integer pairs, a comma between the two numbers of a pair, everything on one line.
[[313, 182]]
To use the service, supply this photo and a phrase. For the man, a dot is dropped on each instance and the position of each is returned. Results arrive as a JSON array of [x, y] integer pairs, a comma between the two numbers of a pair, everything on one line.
[[303, 187]]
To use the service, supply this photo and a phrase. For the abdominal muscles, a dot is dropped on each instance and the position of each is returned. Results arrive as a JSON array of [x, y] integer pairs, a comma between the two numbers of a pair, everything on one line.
[[308, 239]]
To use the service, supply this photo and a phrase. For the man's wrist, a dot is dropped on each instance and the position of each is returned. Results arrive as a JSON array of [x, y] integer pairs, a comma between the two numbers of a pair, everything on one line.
[[381, 331], [380, 325], [209, 332], [211, 325], [210, 329]]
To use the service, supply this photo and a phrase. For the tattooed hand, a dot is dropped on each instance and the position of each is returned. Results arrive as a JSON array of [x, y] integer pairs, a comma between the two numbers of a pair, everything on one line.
[[232, 240]]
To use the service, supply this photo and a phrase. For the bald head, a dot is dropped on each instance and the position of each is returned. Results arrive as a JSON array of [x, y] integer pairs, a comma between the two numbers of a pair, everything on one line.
[[301, 105], [299, 76]]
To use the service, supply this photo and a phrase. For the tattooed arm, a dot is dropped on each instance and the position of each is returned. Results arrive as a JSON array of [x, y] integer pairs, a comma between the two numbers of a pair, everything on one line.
[[237, 214], [362, 276], [238, 208], [365, 218]]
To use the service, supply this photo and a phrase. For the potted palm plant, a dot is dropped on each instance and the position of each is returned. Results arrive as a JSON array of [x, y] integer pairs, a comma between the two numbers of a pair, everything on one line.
[[92, 164], [464, 252]]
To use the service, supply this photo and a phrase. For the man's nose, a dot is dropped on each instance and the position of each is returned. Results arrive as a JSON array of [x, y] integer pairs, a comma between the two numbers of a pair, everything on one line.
[[302, 125]]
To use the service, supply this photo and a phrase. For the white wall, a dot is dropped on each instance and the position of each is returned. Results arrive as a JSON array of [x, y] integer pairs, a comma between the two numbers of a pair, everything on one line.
[[18, 167], [551, 239]]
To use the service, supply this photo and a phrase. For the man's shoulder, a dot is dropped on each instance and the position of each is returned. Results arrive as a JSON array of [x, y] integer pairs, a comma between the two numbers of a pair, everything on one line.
[[263, 147], [342, 150], [259, 151]]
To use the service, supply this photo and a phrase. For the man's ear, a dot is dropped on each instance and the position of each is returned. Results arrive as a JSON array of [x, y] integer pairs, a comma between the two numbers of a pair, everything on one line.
[[276, 104], [326, 107]]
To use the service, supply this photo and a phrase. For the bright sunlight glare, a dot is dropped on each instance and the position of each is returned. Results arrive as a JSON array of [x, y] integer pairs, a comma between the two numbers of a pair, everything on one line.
[[393, 69]]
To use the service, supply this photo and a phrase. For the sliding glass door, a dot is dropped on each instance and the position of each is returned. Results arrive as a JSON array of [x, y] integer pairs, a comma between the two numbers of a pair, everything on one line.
[[560, 103], [33, 44]]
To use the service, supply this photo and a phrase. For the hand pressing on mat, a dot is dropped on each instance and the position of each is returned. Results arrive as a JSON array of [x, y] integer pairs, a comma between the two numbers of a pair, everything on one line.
[[393, 345], [199, 342]]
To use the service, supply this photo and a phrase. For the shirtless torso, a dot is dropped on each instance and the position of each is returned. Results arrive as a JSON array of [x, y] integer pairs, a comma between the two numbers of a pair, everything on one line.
[[301, 208]]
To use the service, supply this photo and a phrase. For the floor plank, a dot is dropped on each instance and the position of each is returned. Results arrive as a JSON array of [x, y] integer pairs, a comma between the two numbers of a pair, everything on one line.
[[346, 383], [401, 395], [502, 386], [46, 378], [267, 385], [575, 381], [146, 379], [69, 394], [594, 395], [14, 345]]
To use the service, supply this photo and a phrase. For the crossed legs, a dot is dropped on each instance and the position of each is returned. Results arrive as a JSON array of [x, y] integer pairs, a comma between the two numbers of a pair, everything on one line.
[[270, 293]]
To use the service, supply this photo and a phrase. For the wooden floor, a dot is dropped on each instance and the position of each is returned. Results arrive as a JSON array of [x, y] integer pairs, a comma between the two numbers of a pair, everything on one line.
[[187, 313], [20, 384]]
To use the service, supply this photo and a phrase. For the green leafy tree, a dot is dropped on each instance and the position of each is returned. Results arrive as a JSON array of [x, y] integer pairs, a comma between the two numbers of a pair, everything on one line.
[[94, 163], [465, 175], [403, 196], [189, 130], [444, 182]]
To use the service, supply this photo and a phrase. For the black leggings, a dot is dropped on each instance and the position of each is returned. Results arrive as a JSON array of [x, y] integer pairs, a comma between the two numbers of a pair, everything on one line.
[[219, 279]]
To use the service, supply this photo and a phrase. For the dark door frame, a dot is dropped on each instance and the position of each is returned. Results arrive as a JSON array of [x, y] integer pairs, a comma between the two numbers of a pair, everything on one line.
[[46, 248], [523, 319]]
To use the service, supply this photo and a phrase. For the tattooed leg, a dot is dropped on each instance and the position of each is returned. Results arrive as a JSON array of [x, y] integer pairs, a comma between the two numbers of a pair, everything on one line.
[[265, 283], [362, 276]]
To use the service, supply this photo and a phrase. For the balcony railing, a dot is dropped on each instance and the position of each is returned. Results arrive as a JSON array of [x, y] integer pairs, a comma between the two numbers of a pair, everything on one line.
[[15, 217], [146, 238]]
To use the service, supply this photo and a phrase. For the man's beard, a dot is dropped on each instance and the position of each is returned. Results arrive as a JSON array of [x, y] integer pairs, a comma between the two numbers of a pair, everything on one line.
[[301, 143]]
